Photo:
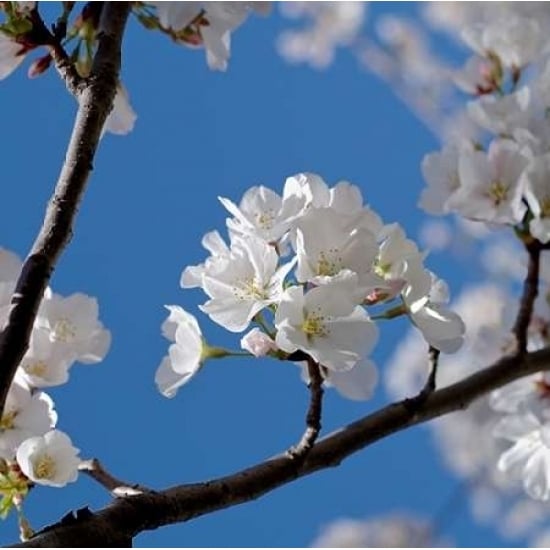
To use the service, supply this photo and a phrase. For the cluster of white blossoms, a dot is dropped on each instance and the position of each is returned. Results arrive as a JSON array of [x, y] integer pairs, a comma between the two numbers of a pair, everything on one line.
[[304, 268], [504, 179], [501, 443], [66, 330]]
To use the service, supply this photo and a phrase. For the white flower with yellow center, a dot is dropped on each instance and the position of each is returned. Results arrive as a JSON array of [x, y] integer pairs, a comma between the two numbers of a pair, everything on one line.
[[490, 188], [326, 324], [25, 415], [263, 213], [325, 249], [72, 323], [45, 363], [247, 282], [49, 460]]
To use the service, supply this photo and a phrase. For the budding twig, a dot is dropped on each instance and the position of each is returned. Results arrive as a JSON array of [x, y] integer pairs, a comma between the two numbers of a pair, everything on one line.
[[313, 417], [528, 297], [115, 486]]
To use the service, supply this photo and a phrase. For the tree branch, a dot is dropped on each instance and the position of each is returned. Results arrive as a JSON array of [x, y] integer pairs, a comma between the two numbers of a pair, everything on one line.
[[65, 67], [95, 103], [127, 517], [116, 487], [528, 297], [314, 412]]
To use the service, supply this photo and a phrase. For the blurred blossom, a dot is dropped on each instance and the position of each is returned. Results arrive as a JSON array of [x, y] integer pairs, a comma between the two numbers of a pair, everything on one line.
[[393, 531], [328, 25]]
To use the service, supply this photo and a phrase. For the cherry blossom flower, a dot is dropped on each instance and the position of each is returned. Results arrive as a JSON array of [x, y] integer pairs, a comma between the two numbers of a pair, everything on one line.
[[263, 213], [440, 171], [502, 115], [245, 284], [73, 323], [326, 324], [45, 364], [490, 187], [529, 458], [25, 415], [185, 355], [515, 40], [49, 460], [324, 248]]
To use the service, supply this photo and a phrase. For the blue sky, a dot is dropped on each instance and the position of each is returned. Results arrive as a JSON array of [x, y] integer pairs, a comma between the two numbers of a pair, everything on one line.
[[151, 197]]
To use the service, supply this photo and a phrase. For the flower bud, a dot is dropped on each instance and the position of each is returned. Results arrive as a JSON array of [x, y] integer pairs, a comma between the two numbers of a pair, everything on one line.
[[40, 66], [257, 343]]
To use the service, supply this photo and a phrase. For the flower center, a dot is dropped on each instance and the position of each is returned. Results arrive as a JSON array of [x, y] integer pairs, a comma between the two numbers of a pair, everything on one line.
[[328, 263], [498, 192], [36, 368], [45, 467], [545, 207], [64, 331], [265, 219], [314, 325], [7, 420], [250, 289]]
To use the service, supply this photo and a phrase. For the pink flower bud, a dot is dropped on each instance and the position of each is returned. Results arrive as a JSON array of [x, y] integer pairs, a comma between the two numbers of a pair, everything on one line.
[[257, 343], [39, 66]]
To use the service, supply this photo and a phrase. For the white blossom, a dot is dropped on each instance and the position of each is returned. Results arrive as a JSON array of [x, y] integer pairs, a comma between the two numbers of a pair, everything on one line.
[[529, 457], [502, 115], [245, 284], [49, 460], [325, 323], [515, 40], [45, 364], [325, 248], [185, 355], [490, 187], [263, 213], [440, 171], [25, 415], [73, 323]]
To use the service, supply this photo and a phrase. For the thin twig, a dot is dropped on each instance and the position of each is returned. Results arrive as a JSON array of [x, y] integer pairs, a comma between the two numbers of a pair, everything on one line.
[[116, 487], [129, 516], [528, 297], [64, 65], [314, 412], [429, 387], [95, 103]]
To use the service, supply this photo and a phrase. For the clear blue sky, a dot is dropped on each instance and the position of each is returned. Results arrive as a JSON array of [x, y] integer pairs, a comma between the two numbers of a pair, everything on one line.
[[151, 197]]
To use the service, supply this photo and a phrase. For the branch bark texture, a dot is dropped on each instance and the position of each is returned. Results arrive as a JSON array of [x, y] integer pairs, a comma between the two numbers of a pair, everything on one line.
[[95, 102], [126, 517]]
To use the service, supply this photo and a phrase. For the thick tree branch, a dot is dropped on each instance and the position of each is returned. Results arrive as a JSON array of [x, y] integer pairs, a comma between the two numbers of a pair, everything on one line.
[[127, 517], [528, 297], [95, 103]]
